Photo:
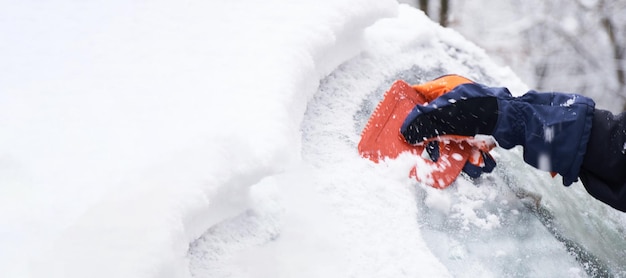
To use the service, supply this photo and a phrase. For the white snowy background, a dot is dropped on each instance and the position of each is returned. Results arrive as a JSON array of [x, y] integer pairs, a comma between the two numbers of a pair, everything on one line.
[[218, 139]]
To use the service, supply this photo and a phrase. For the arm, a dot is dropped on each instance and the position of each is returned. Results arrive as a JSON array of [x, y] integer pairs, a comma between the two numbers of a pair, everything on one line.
[[603, 171]]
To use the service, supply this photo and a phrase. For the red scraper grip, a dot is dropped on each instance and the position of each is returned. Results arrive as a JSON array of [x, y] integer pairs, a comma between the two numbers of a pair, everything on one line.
[[381, 138]]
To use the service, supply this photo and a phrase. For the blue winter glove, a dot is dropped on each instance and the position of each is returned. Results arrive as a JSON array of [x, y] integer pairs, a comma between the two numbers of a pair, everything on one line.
[[552, 127]]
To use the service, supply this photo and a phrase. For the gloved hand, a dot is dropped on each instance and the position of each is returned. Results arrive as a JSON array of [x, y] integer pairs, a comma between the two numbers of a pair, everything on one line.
[[455, 113], [552, 127], [480, 161]]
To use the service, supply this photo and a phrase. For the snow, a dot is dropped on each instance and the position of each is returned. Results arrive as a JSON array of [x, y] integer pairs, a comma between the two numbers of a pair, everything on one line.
[[548, 133], [218, 139]]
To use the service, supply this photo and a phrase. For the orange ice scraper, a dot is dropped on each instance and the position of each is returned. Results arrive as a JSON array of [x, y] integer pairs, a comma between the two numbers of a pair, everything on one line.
[[381, 138]]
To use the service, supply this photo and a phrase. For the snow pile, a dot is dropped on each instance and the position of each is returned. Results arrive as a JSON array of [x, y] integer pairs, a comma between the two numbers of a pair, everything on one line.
[[130, 127], [218, 139]]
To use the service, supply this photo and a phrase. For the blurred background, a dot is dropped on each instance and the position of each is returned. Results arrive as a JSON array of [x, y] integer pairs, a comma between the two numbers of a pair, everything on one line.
[[574, 46]]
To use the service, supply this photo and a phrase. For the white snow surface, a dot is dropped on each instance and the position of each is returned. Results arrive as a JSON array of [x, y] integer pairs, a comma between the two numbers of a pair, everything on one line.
[[218, 139]]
